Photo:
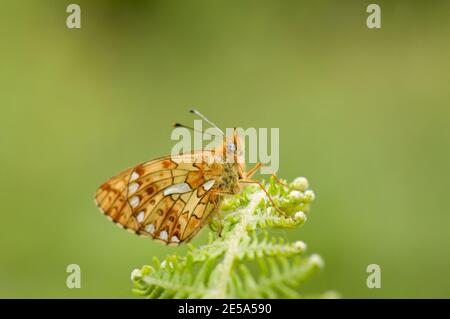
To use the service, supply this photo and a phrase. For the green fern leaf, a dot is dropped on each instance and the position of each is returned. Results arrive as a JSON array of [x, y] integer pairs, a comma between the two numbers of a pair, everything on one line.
[[246, 260]]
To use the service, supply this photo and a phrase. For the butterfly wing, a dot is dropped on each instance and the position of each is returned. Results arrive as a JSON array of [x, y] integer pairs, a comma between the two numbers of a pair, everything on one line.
[[169, 198]]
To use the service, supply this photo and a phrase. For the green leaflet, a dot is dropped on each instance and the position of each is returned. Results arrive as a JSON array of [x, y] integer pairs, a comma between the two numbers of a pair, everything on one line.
[[246, 261]]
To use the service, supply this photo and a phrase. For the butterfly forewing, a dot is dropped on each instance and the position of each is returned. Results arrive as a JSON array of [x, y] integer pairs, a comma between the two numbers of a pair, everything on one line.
[[169, 198]]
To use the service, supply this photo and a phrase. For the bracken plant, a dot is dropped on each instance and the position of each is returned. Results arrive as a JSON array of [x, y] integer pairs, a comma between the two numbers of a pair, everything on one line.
[[243, 259]]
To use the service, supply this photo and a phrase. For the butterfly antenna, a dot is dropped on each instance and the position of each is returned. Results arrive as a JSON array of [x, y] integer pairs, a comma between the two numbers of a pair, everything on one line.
[[189, 128], [194, 111]]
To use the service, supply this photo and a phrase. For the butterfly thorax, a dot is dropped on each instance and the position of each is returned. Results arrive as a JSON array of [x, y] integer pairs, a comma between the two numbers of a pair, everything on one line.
[[229, 180]]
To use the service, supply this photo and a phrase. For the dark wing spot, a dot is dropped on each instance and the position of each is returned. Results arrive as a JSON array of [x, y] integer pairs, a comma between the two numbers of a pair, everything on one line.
[[166, 163], [139, 170], [105, 186], [150, 190]]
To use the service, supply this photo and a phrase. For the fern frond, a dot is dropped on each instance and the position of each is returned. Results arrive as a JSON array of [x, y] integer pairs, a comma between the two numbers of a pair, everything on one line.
[[267, 246], [278, 277], [246, 261]]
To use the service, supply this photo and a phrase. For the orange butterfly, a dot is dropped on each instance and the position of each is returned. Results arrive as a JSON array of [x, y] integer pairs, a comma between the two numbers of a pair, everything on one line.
[[171, 198]]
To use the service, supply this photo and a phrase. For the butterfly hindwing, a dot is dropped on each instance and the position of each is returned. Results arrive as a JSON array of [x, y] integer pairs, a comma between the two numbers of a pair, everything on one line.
[[200, 213], [169, 198]]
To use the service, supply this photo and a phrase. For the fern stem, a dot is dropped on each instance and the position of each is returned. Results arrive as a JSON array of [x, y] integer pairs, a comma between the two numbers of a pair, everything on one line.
[[224, 269]]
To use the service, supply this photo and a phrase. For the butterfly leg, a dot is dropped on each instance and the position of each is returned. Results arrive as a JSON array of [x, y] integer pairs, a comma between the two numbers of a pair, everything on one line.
[[251, 181], [253, 169], [258, 166]]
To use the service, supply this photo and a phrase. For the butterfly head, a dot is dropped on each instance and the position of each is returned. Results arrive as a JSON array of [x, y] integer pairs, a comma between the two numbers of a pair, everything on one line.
[[234, 148]]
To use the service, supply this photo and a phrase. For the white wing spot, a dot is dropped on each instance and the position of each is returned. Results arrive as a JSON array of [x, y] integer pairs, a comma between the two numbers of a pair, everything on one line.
[[134, 176], [177, 189], [175, 239], [163, 235], [133, 188], [150, 228], [207, 186], [134, 201], [140, 217]]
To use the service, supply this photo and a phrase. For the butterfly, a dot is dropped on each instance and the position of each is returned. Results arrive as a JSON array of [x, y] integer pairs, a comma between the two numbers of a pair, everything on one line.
[[171, 198]]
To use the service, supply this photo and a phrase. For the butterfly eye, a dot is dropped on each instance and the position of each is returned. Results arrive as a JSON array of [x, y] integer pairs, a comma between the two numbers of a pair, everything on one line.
[[231, 148]]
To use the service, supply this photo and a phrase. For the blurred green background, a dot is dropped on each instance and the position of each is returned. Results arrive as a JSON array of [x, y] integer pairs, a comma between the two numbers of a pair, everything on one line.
[[364, 114]]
